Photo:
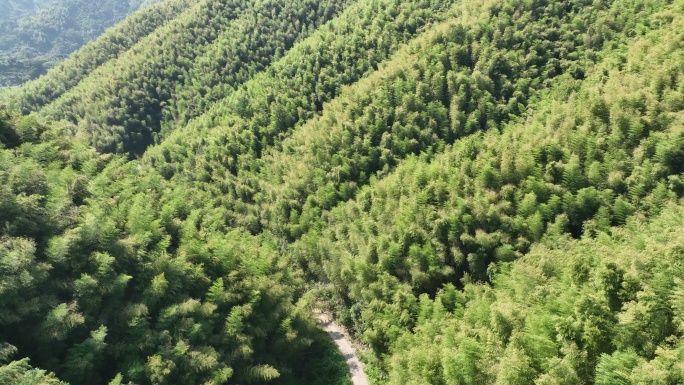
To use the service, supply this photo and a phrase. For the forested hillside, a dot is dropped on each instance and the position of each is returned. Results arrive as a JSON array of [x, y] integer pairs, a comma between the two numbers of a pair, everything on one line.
[[37, 34], [481, 192]]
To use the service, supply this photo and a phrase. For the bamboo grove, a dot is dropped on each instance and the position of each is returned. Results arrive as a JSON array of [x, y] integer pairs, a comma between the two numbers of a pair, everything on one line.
[[485, 191]]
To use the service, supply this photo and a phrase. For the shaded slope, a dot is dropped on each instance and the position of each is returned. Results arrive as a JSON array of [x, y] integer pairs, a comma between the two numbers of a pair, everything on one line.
[[266, 109]]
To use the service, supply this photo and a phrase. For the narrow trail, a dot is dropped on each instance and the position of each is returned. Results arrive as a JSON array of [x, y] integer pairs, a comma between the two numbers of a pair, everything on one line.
[[344, 345]]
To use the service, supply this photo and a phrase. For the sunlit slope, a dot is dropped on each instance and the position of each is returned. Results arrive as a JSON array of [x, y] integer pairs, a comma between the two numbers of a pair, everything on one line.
[[213, 45], [223, 153], [592, 154], [450, 179], [37, 35], [36, 93]]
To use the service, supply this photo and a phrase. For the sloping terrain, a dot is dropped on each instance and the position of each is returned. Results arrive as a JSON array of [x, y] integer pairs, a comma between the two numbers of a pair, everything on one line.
[[37, 34], [575, 167], [488, 191]]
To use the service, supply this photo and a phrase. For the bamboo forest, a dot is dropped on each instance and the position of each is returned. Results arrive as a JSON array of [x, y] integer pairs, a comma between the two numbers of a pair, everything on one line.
[[467, 192]]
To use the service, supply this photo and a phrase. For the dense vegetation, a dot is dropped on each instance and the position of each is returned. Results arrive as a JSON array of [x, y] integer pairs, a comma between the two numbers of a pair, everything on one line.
[[482, 192], [37, 34], [594, 155], [35, 94]]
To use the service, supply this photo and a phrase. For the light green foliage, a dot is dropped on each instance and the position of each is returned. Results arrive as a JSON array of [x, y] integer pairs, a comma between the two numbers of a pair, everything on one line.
[[164, 78], [489, 192], [476, 219], [21, 373]]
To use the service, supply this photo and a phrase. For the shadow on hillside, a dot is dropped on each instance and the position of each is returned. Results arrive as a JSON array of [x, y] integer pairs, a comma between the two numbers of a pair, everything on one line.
[[323, 364]]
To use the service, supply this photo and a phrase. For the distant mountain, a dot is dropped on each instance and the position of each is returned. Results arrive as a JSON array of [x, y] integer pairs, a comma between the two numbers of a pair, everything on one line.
[[37, 34]]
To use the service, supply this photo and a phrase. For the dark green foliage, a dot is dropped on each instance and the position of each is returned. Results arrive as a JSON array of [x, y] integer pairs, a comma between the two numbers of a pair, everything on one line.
[[322, 364], [38, 34]]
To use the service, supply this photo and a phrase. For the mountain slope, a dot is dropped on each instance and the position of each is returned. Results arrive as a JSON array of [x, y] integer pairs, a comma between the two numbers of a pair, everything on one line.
[[116, 217], [605, 310], [171, 97], [122, 104], [35, 94], [38, 34], [457, 181], [595, 153]]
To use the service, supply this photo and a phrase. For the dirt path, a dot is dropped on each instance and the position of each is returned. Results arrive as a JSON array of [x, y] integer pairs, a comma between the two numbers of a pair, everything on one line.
[[358, 376]]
